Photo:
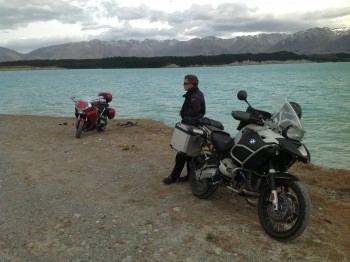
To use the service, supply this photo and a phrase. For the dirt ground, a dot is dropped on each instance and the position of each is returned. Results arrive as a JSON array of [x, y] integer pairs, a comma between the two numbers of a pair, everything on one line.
[[100, 198]]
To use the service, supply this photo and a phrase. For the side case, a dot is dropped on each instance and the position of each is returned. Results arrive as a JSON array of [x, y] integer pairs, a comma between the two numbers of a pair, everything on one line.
[[186, 140]]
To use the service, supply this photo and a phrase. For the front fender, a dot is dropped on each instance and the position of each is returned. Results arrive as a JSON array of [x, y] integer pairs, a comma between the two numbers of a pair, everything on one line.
[[80, 118]]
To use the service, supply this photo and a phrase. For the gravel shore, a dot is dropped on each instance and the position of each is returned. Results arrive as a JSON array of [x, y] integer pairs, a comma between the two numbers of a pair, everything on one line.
[[100, 198]]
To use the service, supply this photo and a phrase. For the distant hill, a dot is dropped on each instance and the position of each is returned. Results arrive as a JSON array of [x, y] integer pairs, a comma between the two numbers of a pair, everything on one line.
[[9, 55], [311, 41], [315, 41]]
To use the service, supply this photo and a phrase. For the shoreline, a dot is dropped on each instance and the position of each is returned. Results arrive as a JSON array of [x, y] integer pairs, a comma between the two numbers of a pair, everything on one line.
[[248, 62], [243, 63], [14, 115], [28, 68]]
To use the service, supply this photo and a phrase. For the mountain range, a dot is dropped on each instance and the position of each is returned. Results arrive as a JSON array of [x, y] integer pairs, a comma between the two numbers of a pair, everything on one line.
[[311, 41]]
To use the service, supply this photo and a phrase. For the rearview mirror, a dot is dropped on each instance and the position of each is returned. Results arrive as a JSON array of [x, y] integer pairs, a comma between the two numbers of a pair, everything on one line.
[[242, 95]]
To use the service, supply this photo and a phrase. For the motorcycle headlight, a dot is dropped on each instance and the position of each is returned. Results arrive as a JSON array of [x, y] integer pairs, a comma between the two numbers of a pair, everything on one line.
[[294, 133], [81, 106]]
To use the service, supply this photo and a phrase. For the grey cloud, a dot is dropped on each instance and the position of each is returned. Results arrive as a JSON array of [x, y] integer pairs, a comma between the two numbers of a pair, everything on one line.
[[112, 9], [17, 13], [331, 13], [25, 46], [194, 21], [127, 33], [230, 18]]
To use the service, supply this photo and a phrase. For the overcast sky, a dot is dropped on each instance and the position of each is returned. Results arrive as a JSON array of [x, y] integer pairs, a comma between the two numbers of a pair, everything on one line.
[[26, 25]]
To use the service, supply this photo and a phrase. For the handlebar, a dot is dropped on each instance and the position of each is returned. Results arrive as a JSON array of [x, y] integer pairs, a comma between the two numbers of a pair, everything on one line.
[[241, 116], [100, 100], [252, 115], [247, 117]]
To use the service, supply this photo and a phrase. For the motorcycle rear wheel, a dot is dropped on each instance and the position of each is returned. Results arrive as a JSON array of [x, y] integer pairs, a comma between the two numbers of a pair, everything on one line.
[[102, 127], [203, 189], [79, 129], [293, 213]]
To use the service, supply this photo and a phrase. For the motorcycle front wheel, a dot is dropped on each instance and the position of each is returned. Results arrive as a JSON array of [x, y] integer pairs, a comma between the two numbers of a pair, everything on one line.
[[79, 129], [292, 216], [201, 188]]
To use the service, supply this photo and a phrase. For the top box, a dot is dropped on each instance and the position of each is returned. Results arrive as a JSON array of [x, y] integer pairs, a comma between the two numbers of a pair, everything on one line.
[[107, 96]]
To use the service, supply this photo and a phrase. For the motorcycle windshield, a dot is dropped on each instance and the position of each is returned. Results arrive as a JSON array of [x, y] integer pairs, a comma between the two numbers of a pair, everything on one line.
[[286, 118]]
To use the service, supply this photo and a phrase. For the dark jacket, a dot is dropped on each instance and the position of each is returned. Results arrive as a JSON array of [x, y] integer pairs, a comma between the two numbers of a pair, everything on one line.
[[194, 104]]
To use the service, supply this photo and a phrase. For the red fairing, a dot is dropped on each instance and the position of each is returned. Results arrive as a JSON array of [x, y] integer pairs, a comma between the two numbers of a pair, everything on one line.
[[92, 115], [107, 96], [90, 119]]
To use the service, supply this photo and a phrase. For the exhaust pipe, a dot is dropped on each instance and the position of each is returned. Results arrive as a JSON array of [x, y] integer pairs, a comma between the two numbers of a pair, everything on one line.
[[243, 192]]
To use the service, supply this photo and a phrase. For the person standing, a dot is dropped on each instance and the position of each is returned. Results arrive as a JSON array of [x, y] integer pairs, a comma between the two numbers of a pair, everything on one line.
[[193, 106]]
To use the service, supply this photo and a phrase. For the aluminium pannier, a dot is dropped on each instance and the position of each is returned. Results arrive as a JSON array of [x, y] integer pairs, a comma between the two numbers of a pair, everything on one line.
[[187, 139]]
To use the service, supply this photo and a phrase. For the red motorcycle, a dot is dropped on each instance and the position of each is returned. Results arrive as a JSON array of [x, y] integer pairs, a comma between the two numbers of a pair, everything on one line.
[[94, 114]]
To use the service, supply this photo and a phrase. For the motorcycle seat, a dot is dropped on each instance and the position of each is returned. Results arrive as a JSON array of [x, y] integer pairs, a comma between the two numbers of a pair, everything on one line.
[[212, 123], [213, 128], [221, 140]]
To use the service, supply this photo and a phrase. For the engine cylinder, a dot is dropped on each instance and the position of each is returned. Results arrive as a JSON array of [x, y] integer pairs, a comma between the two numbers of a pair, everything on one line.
[[208, 172], [227, 166]]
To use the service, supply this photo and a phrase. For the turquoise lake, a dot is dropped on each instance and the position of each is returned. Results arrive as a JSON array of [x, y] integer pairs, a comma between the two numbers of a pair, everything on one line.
[[322, 89]]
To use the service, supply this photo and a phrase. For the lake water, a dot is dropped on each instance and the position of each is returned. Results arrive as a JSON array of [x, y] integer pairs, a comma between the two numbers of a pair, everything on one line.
[[322, 89]]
